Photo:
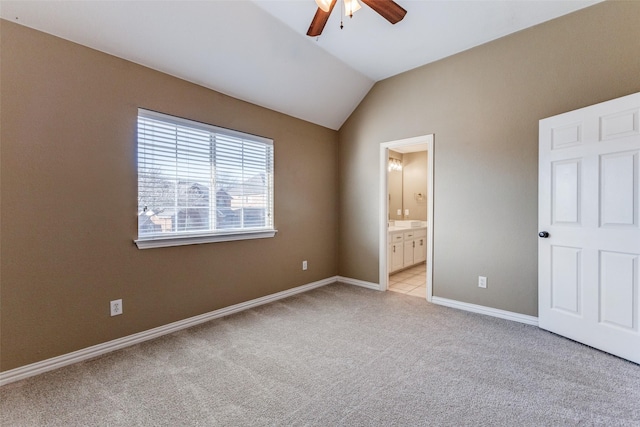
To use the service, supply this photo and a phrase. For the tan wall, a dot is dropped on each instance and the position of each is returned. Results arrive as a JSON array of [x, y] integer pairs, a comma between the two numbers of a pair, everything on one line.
[[69, 194], [414, 182], [483, 106]]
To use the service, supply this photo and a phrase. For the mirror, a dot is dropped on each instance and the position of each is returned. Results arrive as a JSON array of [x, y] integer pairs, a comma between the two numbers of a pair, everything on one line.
[[407, 185]]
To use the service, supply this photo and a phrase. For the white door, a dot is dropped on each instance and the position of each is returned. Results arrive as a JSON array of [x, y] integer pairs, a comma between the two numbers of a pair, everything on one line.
[[589, 192]]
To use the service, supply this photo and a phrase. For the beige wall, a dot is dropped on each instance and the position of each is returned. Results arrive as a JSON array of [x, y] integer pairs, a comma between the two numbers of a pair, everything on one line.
[[483, 106], [69, 189]]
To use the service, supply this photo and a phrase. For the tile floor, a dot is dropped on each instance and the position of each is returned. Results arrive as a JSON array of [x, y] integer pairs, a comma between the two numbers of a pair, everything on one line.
[[412, 281]]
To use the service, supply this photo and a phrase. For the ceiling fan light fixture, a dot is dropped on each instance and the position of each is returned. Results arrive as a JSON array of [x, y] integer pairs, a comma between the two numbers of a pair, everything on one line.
[[388, 9], [325, 5], [350, 6]]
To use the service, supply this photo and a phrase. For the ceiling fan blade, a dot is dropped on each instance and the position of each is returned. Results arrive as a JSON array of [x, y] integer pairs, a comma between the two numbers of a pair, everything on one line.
[[388, 9], [320, 20]]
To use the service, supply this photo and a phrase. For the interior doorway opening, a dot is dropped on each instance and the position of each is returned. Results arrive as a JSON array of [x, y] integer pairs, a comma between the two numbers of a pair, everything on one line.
[[406, 239]]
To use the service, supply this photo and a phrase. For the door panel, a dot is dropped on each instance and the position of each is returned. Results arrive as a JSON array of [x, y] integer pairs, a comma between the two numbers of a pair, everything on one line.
[[618, 286], [621, 124], [589, 194], [618, 189], [565, 279], [566, 192], [566, 136]]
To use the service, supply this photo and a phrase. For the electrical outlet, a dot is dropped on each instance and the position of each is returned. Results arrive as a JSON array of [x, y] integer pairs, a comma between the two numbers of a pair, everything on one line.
[[304, 265], [482, 282], [116, 307]]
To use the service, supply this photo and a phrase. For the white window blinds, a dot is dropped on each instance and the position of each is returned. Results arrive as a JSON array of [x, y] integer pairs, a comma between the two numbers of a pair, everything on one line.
[[200, 180]]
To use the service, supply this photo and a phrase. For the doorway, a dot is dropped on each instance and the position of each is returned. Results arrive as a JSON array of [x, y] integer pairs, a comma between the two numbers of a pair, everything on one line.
[[408, 233]]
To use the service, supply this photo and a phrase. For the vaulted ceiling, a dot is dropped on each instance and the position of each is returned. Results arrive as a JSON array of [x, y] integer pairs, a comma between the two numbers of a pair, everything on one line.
[[258, 51]]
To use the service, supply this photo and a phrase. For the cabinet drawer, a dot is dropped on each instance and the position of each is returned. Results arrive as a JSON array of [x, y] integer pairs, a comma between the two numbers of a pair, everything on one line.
[[395, 238], [420, 233], [408, 235]]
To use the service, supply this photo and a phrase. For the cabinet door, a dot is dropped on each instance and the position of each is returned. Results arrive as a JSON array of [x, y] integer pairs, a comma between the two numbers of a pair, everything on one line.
[[396, 256], [420, 250], [408, 253]]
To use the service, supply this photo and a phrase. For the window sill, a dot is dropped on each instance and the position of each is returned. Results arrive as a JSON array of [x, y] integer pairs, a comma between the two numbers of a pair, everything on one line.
[[165, 242]]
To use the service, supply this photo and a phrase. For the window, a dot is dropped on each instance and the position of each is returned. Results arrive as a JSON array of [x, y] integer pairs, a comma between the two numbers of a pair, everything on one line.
[[198, 183]]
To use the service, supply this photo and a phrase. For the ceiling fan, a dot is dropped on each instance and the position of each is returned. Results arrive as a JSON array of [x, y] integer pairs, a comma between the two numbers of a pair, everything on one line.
[[388, 9]]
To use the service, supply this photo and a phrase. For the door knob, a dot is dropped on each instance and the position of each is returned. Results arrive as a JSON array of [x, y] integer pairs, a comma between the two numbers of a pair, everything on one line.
[[543, 234]]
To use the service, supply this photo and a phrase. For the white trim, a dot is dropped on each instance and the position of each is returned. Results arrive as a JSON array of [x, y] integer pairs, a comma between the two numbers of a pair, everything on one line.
[[117, 344], [361, 283], [489, 311], [384, 214], [164, 242], [383, 218]]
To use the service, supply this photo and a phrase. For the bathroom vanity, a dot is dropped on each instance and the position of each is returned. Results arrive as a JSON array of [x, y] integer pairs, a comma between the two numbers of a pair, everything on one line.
[[407, 244]]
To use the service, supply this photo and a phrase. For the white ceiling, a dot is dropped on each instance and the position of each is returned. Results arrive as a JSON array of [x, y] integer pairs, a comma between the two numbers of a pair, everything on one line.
[[258, 51]]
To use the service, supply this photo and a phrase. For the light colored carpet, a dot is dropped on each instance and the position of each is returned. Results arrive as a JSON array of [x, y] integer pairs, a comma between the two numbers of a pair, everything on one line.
[[339, 356]]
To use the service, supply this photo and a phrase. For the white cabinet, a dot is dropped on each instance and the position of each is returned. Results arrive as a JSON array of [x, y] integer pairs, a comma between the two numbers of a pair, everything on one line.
[[420, 246], [420, 250], [407, 248], [409, 244], [408, 253], [396, 252]]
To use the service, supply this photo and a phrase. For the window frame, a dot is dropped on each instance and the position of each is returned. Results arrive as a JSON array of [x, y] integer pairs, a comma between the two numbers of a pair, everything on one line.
[[182, 238]]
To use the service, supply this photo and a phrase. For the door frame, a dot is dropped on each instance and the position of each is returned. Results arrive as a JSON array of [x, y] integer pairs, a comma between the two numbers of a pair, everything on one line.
[[384, 207]]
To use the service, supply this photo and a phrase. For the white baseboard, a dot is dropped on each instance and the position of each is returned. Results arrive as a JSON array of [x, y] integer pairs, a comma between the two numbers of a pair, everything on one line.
[[117, 344], [356, 282], [509, 315]]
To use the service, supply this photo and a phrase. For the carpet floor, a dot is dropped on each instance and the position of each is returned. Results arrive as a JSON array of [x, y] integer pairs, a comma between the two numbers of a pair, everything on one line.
[[338, 356]]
